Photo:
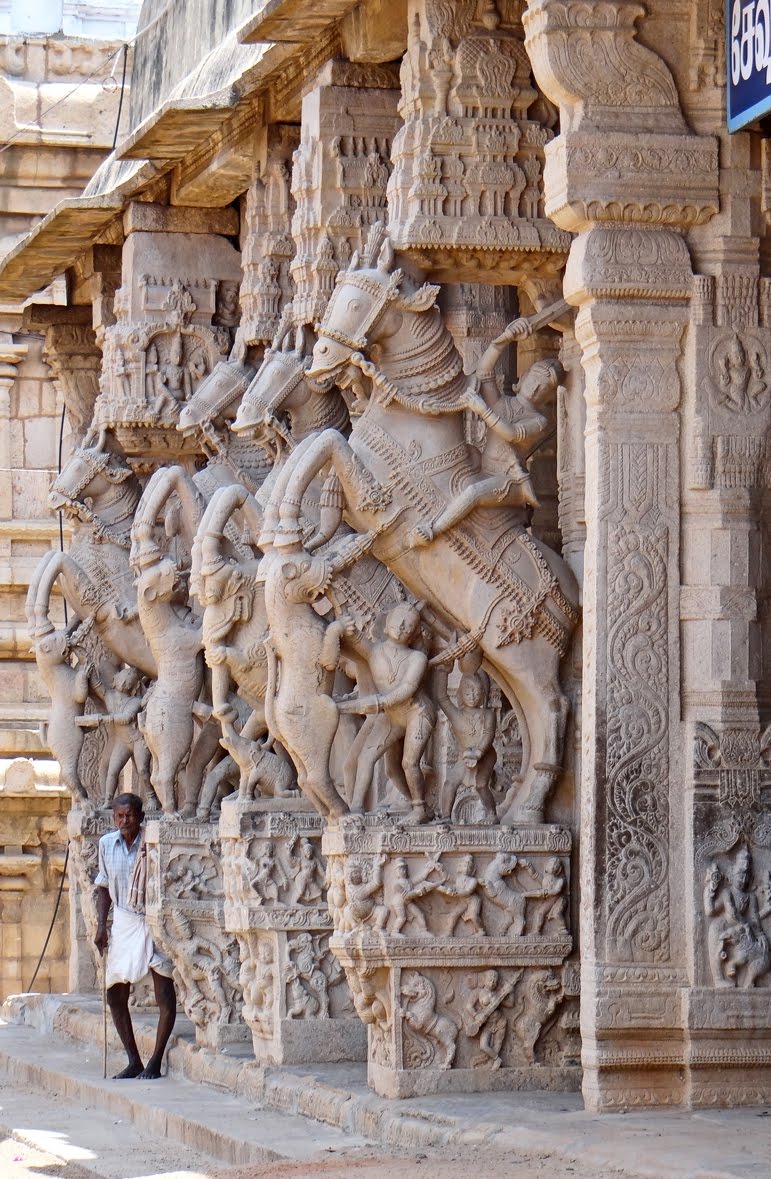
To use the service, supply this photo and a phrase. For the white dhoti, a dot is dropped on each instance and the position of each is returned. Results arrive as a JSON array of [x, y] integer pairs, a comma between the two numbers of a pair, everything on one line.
[[130, 950]]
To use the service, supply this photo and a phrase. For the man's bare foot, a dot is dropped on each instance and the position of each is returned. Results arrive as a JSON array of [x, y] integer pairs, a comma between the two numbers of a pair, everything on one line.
[[131, 1070], [151, 1072]]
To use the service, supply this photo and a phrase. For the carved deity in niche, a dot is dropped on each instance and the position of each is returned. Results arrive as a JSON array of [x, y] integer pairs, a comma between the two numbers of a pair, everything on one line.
[[485, 1015], [176, 364], [473, 723], [737, 943]]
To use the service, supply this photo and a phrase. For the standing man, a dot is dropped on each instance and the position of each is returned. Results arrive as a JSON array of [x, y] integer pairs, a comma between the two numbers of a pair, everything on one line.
[[120, 882]]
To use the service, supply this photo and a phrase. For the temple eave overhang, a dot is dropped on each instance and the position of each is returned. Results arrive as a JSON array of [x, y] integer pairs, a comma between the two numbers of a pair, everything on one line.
[[61, 237], [293, 21], [183, 125]]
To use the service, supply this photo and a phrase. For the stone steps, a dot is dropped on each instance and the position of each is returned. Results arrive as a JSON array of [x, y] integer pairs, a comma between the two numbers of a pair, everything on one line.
[[227, 1106], [223, 1127]]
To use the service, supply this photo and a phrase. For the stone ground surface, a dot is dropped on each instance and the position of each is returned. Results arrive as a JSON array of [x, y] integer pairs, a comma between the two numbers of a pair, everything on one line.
[[59, 1118]]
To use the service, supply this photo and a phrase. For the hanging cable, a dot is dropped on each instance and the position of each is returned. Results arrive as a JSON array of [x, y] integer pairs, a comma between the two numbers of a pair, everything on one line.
[[53, 919], [67, 852], [123, 48], [120, 97]]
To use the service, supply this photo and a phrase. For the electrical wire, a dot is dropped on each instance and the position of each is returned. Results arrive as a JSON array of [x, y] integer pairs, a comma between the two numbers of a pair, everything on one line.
[[123, 48], [61, 517], [53, 919], [120, 98], [67, 852]]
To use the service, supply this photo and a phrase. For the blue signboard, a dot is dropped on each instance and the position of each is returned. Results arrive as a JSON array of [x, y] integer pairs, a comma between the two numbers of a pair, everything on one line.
[[748, 50]]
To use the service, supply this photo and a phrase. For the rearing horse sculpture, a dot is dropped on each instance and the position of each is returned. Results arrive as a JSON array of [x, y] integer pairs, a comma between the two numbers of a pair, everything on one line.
[[98, 489], [405, 460]]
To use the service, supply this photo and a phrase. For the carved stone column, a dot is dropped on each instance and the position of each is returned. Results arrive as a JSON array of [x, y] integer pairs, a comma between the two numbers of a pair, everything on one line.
[[296, 998], [268, 248], [632, 950], [85, 831], [724, 604], [185, 911], [339, 175], [454, 942], [629, 274]]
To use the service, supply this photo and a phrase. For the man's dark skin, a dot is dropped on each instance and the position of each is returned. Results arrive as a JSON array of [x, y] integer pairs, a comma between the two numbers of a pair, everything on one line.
[[128, 820]]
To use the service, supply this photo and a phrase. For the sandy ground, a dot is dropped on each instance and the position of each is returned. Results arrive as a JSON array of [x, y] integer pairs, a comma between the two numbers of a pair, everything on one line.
[[46, 1137]]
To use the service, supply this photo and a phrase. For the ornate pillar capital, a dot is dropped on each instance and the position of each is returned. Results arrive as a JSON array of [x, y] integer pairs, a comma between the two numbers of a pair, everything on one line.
[[611, 90]]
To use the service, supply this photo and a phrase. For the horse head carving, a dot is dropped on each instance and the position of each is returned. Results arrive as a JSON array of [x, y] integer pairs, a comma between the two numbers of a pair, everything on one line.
[[282, 405], [366, 307], [93, 473], [216, 397]]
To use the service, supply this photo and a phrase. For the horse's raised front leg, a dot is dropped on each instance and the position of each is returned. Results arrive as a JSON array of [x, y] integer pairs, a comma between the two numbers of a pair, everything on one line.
[[210, 536], [327, 448], [78, 588], [545, 709], [271, 520], [34, 585], [163, 484]]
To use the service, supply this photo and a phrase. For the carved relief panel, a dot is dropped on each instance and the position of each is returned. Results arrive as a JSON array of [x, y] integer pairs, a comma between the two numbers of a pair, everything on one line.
[[185, 902], [296, 999], [731, 412], [176, 314], [466, 190], [732, 881], [731, 959], [339, 176], [454, 942]]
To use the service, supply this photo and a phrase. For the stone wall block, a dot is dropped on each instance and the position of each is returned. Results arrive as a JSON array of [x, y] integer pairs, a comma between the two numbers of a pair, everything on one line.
[[185, 911], [296, 998]]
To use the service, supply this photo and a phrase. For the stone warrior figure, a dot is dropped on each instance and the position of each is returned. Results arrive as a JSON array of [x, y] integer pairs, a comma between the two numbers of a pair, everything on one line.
[[464, 888], [68, 688], [515, 426], [257, 978], [405, 890], [123, 697], [201, 965], [739, 951], [402, 732], [362, 906], [473, 725]]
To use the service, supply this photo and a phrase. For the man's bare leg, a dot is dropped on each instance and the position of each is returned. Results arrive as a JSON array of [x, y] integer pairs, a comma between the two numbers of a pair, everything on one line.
[[166, 998], [118, 997]]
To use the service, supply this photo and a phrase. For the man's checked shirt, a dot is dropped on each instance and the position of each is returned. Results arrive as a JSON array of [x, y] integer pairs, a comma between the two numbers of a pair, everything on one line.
[[116, 866]]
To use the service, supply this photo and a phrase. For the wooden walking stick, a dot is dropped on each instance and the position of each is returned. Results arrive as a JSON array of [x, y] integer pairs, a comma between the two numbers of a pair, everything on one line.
[[104, 1016]]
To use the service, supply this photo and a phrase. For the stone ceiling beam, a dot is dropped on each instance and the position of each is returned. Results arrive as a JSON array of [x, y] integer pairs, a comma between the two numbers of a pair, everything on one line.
[[293, 21]]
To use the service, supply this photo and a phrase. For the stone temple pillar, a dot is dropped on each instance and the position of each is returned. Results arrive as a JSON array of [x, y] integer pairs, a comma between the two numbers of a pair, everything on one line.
[[630, 275]]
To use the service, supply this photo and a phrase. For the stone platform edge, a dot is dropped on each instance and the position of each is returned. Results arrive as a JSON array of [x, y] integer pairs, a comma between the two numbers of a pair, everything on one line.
[[365, 1114]]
